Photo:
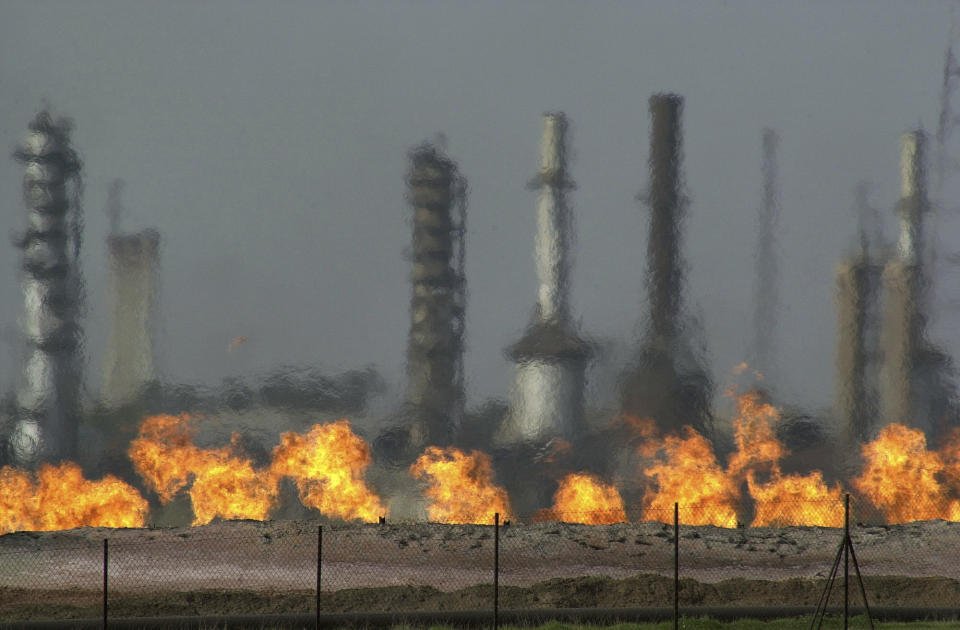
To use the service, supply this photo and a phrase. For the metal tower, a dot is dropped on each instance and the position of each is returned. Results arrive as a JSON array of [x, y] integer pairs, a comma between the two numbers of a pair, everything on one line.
[[435, 395], [547, 398], [667, 381], [47, 400]]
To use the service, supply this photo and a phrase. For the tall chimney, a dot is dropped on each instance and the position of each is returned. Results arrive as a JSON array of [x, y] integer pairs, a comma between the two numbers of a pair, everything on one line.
[[47, 400], [666, 205], [765, 313], [550, 359], [132, 292], [434, 352], [902, 283], [856, 292], [667, 380]]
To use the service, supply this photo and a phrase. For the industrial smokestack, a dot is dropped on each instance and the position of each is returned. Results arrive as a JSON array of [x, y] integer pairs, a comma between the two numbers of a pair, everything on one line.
[[47, 400], [856, 293], [765, 313], [902, 330], [547, 399], [858, 324], [667, 381], [666, 205], [129, 365], [437, 309]]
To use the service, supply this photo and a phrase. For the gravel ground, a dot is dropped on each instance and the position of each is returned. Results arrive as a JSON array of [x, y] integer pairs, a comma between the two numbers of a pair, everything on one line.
[[418, 565]]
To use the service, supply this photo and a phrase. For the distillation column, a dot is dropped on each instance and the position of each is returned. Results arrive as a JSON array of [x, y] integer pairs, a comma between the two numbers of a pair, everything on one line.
[[434, 352], [547, 398], [47, 400]]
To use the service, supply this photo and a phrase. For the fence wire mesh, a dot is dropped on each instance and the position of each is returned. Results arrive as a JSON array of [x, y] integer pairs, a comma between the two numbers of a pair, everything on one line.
[[268, 568]]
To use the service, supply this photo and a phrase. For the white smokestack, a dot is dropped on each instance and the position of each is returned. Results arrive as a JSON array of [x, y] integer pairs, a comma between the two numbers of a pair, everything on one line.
[[912, 196], [552, 237]]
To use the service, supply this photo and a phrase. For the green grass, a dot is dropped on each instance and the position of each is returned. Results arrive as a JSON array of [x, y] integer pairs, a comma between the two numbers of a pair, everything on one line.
[[798, 623]]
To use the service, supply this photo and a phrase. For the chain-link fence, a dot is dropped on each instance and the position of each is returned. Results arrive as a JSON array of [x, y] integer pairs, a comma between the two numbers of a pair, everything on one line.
[[682, 557]]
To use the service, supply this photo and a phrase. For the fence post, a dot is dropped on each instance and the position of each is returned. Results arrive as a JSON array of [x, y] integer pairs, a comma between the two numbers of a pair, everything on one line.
[[106, 555], [846, 561], [676, 566], [496, 571], [319, 563]]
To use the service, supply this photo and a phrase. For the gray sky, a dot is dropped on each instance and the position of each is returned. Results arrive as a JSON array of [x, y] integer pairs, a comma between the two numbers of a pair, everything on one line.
[[267, 142]]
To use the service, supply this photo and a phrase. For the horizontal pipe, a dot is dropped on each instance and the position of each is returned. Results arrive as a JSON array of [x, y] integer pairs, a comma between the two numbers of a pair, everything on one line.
[[478, 618]]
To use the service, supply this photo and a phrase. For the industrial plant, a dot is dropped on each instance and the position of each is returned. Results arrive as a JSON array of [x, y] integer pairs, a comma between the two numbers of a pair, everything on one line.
[[887, 369]]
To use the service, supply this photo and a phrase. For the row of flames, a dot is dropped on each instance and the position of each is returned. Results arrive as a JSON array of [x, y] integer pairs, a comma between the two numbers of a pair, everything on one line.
[[901, 478]]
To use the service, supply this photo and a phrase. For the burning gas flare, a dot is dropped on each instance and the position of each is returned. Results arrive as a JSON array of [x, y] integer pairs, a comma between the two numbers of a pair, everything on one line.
[[906, 481], [59, 497], [687, 472], [224, 483], [460, 486], [328, 464], [585, 498]]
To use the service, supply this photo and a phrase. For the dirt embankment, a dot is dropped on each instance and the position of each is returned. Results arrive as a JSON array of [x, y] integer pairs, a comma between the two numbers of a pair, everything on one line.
[[252, 567]]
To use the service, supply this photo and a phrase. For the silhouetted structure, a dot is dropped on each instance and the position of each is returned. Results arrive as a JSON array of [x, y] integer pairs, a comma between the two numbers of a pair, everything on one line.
[[47, 400], [437, 309], [765, 292], [667, 381]]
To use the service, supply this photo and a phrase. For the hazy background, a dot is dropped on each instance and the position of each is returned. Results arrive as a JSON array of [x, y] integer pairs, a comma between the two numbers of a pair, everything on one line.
[[267, 143]]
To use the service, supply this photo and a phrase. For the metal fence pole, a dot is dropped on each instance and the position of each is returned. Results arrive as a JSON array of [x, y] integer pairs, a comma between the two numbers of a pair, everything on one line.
[[846, 562], [676, 566], [319, 563], [496, 571], [106, 555]]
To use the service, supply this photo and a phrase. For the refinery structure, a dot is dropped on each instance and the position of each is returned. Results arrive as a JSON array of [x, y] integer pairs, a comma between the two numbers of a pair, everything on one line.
[[888, 370]]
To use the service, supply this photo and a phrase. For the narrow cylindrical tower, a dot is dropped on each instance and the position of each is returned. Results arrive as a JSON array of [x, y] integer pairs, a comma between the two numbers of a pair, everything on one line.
[[552, 240], [132, 292], [547, 398], [856, 296], [47, 400], [667, 380], [765, 291], [902, 328], [666, 208], [434, 351]]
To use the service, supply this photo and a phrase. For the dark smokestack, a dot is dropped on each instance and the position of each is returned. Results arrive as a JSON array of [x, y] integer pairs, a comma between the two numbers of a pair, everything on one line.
[[47, 401], [434, 352], [765, 291], [667, 381], [666, 206]]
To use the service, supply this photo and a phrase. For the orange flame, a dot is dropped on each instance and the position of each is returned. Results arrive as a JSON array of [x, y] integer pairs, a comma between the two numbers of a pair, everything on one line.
[[796, 500], [688, 473], [59, 497], [757, 445], [781, 500], [460, 486], [584, 498], [328, 464], [224, 484], [901, 477]]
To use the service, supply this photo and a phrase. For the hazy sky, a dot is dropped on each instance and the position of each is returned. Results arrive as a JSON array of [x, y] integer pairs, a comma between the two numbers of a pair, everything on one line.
[[267, 143]]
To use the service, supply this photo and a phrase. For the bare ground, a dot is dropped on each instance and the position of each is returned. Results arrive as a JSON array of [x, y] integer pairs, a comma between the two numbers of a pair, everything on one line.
[[252, 567]]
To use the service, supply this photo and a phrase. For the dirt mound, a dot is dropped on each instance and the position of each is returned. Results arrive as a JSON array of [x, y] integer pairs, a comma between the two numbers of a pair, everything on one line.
[[582, 592]]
